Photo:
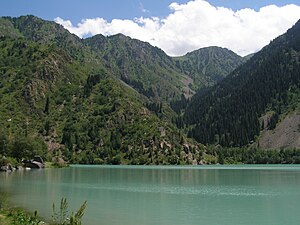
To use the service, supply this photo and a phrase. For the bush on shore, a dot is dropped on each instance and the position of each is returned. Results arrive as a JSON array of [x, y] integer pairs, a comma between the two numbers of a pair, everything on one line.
[[18, 216]]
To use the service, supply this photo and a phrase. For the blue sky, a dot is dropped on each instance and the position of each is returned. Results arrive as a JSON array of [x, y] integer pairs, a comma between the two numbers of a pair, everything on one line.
[[176, 26], [76, 10]]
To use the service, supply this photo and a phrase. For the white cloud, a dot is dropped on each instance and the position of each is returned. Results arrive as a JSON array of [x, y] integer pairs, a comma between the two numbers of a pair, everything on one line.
[[198, 24]]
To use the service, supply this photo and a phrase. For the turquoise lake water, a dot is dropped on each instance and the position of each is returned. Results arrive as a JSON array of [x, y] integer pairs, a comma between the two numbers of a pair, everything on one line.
[[133, 195]]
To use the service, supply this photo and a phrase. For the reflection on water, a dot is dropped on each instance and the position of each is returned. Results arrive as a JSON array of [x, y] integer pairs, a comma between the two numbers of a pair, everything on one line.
[[134, 195]]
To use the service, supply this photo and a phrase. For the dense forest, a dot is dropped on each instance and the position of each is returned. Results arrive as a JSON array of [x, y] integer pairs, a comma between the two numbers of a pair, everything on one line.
[[230, 113], [208, 65]]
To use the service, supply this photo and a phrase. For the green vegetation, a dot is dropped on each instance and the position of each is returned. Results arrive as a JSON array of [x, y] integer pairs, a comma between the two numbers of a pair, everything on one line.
[[229, 113], [147, 69], [17, 216], [251, 155], [207, 66], [116, 100], [84, 102], [14, 149], [61, 216]]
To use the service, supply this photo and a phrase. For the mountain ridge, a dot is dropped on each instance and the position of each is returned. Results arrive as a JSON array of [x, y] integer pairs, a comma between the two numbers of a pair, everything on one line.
[[115, 99], [207, 66], [58, 91], [269, 81]]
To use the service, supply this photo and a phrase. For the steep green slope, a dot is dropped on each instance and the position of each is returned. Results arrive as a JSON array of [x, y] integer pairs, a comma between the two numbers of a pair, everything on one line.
[[229, 113], [209, 65], [7, 29], [46, 32], [50, 92], [29, 72], [247, 57], [144, 67], [111, 124]]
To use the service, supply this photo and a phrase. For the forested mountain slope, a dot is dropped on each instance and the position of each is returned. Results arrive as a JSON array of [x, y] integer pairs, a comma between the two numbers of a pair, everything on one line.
[[147, 69], [207, 66], [58, 93], [45, 32], [110, 99], [254, 97], [144, 67]]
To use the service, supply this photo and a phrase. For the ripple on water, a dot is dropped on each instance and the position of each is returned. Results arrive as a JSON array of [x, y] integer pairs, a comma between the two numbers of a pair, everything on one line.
[[184, 190]]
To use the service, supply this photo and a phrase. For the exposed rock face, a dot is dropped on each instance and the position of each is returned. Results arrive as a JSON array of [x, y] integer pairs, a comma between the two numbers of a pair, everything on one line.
[[7, 168], [285, 135], [36, 163]]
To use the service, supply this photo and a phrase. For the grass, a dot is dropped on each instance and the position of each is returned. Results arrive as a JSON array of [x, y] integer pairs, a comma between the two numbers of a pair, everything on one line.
[[18, 216], [4, 220]]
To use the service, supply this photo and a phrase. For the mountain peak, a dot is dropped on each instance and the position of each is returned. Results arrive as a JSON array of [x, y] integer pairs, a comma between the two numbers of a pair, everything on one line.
[[256, 96], [209, 65], [209, 49]]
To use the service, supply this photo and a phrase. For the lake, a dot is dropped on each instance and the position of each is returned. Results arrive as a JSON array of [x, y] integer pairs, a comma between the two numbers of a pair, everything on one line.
[[159, 195]]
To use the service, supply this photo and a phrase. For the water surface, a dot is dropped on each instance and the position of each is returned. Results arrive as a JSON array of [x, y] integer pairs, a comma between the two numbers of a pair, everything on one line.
[[133, 195]]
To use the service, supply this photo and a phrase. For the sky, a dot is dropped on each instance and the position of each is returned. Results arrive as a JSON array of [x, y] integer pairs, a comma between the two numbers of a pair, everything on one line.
[[176, 26]]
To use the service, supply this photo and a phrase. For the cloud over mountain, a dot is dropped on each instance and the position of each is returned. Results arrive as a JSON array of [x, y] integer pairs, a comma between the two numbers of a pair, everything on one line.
[[198, 24]]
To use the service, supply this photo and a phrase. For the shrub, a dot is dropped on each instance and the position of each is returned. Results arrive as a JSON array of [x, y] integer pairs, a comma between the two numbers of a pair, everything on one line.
[[61, 217]]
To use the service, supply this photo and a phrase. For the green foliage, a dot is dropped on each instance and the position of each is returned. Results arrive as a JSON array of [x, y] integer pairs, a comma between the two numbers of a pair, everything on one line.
[[3, 143], [15, 148], [228, 113], [62, 217], [48, 32], [273, 121], [23, 148], [3, 199], [7, 29], [253, 155], [19, 217], [115, 120], [207, 66], [16, 216], [8, 160], [46, 110], [75, 219], [67, 91], [150, 71], [109, 99], [179, 105]]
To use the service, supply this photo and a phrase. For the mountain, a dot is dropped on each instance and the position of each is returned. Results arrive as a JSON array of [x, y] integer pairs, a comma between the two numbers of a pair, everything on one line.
[[142, 66], [258, 95], [7, 29], [247, 57], [87, 101], [113, 99], [207, 66], [286, 134]]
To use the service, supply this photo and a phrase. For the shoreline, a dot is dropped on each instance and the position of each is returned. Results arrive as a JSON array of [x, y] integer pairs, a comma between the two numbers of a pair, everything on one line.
[[17, 215], [12, 214]]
